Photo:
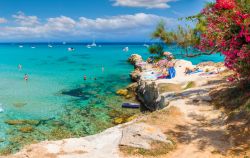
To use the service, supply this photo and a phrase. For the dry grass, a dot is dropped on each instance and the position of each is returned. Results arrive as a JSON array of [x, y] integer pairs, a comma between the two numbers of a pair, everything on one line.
[[157, 149], [189, 85], [169, 87], [164, 119]]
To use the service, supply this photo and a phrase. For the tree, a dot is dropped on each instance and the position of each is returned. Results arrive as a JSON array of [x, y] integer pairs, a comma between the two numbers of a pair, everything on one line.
[[223, 26]]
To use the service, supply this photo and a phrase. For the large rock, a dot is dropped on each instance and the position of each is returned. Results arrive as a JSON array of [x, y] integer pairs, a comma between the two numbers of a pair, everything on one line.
[[141, 135], [149, 96], [132, 87], [135, 58], [135, 75]]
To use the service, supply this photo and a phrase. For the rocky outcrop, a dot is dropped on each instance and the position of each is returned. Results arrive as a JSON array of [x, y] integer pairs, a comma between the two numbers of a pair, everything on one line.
[[149, 96], [103, 145], [141, 135], [135, 75], [135, 58]]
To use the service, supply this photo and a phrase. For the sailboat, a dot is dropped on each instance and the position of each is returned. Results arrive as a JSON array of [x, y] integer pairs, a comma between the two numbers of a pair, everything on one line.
[[91, 45]]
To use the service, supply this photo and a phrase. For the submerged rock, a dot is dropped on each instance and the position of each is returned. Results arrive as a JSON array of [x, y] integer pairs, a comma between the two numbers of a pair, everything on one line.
[[1, 140], [22, 122], [78, 92], [118, 120], [122, 92], [19, 105], [26, 129]]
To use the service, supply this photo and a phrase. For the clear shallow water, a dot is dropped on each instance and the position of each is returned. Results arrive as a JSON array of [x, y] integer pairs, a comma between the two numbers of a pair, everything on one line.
[[56, 94]]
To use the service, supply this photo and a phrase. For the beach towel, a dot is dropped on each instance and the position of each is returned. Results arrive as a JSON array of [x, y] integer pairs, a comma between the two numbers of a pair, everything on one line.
[[195, 72], [208, 74]]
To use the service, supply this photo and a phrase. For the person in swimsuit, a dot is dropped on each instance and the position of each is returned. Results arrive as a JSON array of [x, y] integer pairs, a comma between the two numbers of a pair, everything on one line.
[[20, 67], [85, 77], [102, 69], [26, 77]]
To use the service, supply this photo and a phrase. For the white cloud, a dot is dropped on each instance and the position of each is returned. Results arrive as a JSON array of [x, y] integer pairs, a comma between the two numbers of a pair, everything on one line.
[[24, 20], [2, 20], [114, 27], [122, 22], [143, 3]]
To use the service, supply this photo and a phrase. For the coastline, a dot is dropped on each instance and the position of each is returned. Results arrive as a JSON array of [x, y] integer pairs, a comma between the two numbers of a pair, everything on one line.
[[155, 95]]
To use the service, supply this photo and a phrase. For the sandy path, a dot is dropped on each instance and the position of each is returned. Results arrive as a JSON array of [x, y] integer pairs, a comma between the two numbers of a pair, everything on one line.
[[203, 134]]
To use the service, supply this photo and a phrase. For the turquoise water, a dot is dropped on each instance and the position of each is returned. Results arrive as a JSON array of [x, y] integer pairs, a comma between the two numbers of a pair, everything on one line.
[[56, 94]]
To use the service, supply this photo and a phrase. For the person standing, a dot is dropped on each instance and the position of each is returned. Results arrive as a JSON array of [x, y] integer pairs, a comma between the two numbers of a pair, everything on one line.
[[20, 67], [26, 77]]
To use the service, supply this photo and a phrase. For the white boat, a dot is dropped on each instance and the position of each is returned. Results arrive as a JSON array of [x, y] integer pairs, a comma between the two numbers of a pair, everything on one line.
[[146, 45], [1, 110], [33, 47], [50, 46], [88, 46], [93, 44], [20, 46], [126, 49], [71, 49]]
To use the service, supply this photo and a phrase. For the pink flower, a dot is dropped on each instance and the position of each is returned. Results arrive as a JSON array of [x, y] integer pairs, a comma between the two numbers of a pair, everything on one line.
[[230, 79], [225, 4]]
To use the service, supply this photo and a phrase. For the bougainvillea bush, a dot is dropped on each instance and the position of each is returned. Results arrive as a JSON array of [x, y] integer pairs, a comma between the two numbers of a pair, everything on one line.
[[227, 30], [222, 26]]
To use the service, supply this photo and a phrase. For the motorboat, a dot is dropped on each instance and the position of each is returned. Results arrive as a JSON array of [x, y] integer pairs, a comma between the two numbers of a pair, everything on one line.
[[71, 49], [126, 49]]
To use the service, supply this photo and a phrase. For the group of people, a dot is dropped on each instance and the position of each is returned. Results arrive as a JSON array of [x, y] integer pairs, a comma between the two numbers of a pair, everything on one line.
[[166, 67], [85, 77], [26, 77]]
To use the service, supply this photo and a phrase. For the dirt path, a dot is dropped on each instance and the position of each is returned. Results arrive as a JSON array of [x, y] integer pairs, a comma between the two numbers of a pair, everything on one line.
[[198, 129], [202, 134]]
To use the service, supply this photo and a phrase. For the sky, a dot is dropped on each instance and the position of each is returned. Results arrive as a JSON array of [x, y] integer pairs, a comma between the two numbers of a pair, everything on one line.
[[85, 20]]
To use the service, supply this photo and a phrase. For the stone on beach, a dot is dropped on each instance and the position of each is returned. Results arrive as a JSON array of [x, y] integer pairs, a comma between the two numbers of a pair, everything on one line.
[[141, 135]]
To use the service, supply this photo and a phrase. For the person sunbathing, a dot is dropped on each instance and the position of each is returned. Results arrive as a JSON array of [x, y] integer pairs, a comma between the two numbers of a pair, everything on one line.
[[189, 70], [164, 75], [168, 74]]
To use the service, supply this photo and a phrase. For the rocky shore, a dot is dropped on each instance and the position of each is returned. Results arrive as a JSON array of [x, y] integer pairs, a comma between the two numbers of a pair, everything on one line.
[[189, 94]]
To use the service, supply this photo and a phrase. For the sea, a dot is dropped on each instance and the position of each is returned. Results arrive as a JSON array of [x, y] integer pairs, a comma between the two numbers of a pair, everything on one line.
[[56, 101]]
